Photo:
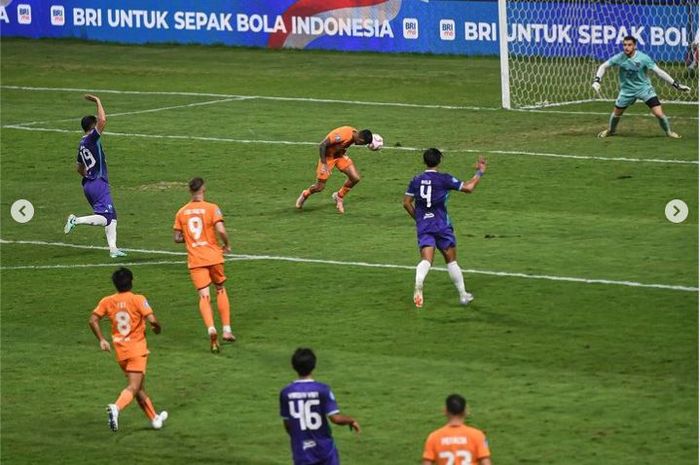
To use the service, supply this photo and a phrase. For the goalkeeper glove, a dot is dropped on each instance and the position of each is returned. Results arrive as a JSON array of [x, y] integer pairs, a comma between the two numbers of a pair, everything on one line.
[[596, 84], [681, 87]]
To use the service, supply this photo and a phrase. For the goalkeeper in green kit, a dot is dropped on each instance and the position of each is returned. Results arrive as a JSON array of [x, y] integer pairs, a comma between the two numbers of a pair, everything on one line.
[[636, 85]]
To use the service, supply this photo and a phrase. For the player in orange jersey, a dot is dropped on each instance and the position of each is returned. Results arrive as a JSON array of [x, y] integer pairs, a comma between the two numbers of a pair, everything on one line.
[[197, 225], [456, 443], [332, 153], [127, 312]]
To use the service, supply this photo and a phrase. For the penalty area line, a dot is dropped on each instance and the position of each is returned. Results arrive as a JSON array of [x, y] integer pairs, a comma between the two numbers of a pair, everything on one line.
[[246, 257]]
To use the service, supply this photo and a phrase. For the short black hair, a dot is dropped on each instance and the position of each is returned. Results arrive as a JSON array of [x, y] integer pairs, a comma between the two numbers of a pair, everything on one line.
[[455, 404], [432, 157], [196, 184], [122, 279], [304, 361], [630, 38], [366, 136], [88, 122]]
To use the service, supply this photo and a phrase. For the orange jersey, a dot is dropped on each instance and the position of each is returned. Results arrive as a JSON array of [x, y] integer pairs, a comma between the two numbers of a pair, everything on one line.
[[197, 222], [339, 140], [127, 311], [456, 444]]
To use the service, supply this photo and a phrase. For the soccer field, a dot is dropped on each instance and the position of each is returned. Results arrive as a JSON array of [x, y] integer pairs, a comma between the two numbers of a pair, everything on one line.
[[580, 348]]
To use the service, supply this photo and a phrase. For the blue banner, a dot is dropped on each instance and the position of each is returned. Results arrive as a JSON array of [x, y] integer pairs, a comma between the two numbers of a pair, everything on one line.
[[425, 26]]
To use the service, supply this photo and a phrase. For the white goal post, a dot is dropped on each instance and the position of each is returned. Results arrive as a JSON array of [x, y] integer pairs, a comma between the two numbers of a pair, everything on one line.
[[550, 49]]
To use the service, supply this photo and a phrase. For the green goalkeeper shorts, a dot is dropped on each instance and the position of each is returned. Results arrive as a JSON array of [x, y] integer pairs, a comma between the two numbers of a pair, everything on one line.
[[625, 99]]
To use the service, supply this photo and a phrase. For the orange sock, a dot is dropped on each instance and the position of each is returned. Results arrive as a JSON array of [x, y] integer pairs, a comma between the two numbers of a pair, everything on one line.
[[147, 407], [224, 307], [124, 399], [343, 191], [205, 310]]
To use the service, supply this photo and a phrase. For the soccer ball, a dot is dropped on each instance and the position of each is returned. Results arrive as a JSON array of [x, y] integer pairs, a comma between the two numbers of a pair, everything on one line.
[[377, 142]]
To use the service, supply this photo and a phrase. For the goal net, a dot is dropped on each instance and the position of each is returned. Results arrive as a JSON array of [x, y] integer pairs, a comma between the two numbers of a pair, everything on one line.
[[550, 50]]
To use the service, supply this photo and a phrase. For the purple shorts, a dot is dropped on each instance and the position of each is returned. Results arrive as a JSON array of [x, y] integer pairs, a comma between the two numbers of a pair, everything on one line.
[[100, 198], [442, 240]]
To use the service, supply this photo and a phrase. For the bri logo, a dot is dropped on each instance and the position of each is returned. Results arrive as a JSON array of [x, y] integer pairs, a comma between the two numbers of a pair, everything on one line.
[[24, 13], [447, 29], [410, 28], [58, 15]]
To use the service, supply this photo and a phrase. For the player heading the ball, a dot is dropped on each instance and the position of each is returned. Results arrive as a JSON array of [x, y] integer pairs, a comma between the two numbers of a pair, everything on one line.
[[332, 152], [635, 85]]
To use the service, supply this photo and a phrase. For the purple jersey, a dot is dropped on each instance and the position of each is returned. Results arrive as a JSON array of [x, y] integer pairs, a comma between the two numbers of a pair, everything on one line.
[[430, 191], [305, 405], [92, 157]]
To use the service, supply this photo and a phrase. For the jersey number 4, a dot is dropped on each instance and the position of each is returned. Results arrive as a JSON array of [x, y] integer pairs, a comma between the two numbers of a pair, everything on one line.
[[425, 193], [301, 410]]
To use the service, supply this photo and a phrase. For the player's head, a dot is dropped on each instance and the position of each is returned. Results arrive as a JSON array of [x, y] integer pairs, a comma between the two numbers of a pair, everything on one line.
[[304, 361], [432, 157], [629, 45], [196, 185], [88, 122], [455, 405], [122, 279], [363, 137]]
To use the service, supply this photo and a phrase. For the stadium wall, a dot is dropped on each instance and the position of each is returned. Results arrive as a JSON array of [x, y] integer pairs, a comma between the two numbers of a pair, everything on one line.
[[421, 26]]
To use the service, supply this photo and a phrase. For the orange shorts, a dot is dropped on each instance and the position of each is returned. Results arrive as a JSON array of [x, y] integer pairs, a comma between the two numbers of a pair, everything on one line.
[[137, 364], [203, 276], [342, 163]]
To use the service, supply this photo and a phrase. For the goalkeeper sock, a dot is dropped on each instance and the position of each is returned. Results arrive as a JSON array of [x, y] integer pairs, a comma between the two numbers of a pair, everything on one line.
[[612, 125], [665, 124], [421, 272]]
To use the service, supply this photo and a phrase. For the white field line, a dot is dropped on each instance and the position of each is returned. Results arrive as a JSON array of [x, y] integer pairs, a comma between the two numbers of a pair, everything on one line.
[[235, 257], [287, 142], [137, 112], [310, 100]]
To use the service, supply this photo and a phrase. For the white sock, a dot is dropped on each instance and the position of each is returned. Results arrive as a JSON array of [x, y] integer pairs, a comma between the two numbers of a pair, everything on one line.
[[92, 220], [421, 272], [456, 275], [227, 329], [211, 330], [111, 233]]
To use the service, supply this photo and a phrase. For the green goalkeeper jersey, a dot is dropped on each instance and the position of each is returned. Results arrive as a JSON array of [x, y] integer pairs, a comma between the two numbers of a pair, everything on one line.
[[633, 72]]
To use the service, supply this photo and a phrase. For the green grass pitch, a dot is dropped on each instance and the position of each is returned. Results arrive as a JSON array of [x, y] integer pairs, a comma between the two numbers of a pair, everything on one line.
[[556, 372]]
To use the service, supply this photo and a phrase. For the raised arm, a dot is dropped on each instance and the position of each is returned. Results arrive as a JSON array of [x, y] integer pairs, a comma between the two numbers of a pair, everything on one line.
[[221, 230], [469, 186], [101, 116], [666, 77]]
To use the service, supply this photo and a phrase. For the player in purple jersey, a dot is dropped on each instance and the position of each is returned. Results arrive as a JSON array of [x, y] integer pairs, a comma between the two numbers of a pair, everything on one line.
[[426, 201], [92, 166], [305, 407]]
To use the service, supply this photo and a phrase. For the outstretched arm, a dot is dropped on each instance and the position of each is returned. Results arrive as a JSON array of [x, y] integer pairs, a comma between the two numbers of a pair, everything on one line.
[[101, 116], [667, 77], [469, 186]]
